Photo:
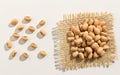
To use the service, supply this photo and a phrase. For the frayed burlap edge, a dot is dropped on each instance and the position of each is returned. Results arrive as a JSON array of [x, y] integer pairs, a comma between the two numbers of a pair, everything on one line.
[[61, 47]]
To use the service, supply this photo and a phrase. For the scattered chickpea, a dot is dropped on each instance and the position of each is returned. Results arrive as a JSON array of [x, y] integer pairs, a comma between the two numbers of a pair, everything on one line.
[[20, 27], [33, 45], [43, 32], [27, 18], [9, 44], [42, 53], [14, 21], [24, 38], [13, 53], [25, 55], [31, 28], [16, 35], [42, 22]]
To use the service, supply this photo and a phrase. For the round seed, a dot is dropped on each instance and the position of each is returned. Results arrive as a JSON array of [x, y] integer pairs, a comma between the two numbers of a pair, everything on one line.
[[42, 22], [27, 18], [43, 32], [42, 53], [31, 28], [14, 21]]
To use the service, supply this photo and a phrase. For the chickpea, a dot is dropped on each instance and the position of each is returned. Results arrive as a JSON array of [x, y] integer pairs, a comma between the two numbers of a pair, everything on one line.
[[33, 45], [9, 44], [81, 49], [104, 39], [81, 55], [43, 32], [27, 18], [88, 49], [105, 47], [70, 34], [90, 55], [20, 27], [31, 28], [16, 35], [75, 54], [42, 22], [24, 38], [25, 55], [70, 39], [97, 37], [90, 28], [42, 53], [96, 22], [96, 31], [95, 55], [14, 21], [74, 48], [91, 21], [95, 46], [13, 53]]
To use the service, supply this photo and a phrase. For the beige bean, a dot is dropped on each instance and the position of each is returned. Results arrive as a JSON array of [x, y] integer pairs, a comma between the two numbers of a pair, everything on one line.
[[100, 28], [75, 54], [103, 39], [31, 28], [96, 31], [99, 42], [102, 23], [84, 44], [85, 54], [90, 55], [73, 48], [102, 44], [42, 53], [97, 37], [90, 28], [85, 34], [102, 53], [84, 27], [33, 45], [90, 42], [70, 39], [76, 36], [86, 20], [91, 21], [81, 55], [104, 28], [43, 32], [76, 30], [42, 22], [99, 50], [95, 46], [104, 34], [81, 49], [78, 41], [9, 44], [72, 43], [88, 49], [20, 27], [96, 22], [13, 53], [14, 21], [95, 55], [106, 47], [91, 34], [27, 18], [88, 38], [16, 35], [25, 55], [70, 34], [24, 38]]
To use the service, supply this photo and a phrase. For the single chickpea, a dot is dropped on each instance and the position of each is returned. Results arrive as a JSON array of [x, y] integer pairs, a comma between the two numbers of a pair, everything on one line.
[[9, 44], [20, 27], [13, 53], [42, 53], [70, 34], [75, 54], [16, 35], [81, 55], [43, 32], [33, 45], [42, 22], [24, 38], [27, 18], [14, 21], [31, 28], [25, 55]]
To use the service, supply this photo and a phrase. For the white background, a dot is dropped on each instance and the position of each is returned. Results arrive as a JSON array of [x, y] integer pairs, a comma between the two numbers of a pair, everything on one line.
[[52, 11]]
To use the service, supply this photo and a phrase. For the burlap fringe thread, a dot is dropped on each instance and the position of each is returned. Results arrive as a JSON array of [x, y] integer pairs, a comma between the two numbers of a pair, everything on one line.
[[61, 52]]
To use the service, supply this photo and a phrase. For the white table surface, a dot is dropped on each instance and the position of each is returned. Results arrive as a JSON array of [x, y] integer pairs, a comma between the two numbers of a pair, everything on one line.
[[52, 11]]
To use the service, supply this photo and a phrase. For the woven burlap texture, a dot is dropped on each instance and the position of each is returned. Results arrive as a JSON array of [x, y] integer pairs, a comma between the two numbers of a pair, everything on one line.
[[62, 55]]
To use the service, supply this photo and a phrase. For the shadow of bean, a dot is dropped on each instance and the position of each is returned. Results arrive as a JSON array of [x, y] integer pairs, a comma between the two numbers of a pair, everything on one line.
[[22, 42], [21, 58], [38, 26], [28, 32], [39, 35], [5, 47], [24, 22], [10, 25], [13, 38], [31, 48], [39, 56]]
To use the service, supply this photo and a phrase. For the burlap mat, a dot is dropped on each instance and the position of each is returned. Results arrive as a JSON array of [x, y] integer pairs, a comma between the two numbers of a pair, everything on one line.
[[63, 60]]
